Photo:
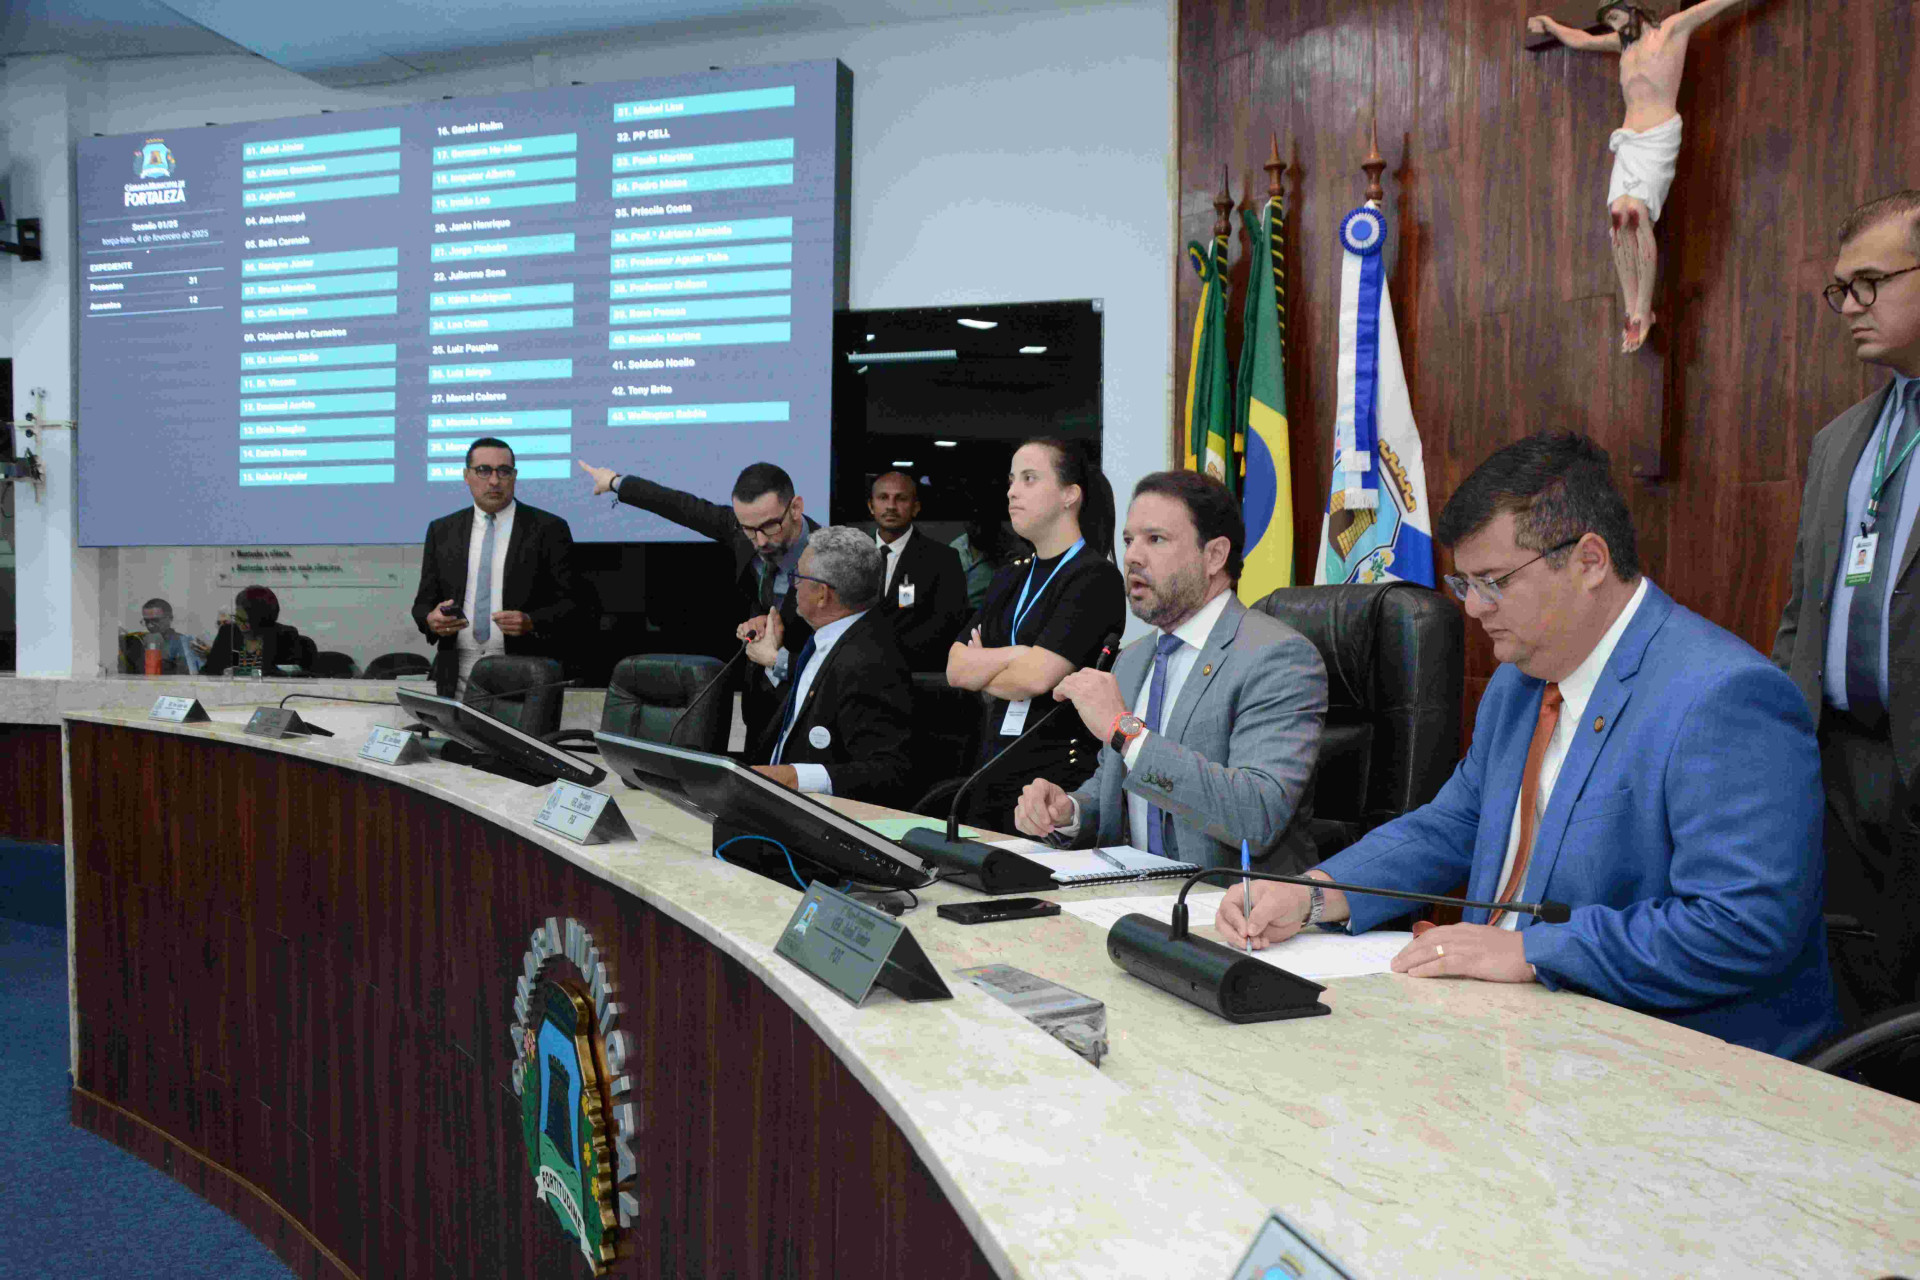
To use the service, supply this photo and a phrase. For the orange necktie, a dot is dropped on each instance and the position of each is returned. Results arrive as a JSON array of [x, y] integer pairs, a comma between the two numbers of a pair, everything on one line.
[[1530, 795]]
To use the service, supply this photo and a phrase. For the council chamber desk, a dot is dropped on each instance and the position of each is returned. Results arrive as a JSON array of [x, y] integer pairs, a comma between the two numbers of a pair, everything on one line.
[[294, 976]]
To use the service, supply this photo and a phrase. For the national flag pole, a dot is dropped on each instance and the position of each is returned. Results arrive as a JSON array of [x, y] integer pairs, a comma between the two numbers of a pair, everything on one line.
[[1266, 454], [1209, 404]]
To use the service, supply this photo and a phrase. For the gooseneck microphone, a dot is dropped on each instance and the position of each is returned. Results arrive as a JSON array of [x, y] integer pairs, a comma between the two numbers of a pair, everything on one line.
[[982, 866], [1232, 983], [686, 713]]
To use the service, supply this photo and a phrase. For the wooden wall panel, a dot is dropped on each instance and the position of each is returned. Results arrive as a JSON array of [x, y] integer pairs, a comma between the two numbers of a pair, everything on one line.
[[1795, 111], [30, 804], [295, 984]]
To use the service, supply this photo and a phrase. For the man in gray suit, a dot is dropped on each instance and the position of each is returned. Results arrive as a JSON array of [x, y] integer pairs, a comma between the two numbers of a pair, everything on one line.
[[1850, 636], [1213, 723]]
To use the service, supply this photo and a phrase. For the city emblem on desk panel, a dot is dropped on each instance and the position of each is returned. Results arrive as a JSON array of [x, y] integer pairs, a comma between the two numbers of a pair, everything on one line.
[[577, 1111]]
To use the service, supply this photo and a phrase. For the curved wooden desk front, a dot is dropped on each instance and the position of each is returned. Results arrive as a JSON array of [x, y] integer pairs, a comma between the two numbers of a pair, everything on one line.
[[294, 977]]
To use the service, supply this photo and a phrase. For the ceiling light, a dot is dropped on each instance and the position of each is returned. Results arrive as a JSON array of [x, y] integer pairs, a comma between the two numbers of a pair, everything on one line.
[[980, 324], [899, 462], [1033, 351], [869, 337], [945, 444]]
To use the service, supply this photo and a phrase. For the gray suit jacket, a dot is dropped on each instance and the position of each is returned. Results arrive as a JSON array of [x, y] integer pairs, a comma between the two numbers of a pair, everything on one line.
[[1236, 755], [1800, 646]]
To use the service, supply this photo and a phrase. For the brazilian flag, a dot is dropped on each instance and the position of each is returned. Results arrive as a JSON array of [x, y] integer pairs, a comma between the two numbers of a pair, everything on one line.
[[1209, 413], [1267, 498]]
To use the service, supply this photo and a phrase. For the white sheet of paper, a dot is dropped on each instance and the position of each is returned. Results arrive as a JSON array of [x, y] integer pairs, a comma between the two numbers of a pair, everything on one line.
[[1310, 953]]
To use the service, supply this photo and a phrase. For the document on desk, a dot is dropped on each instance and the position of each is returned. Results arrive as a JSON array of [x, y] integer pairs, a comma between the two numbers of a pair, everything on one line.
[[1311, 953]]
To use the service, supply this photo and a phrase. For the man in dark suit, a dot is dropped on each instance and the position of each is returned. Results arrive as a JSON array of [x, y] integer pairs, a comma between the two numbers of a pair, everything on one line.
[[766, 528], [926, 589], [844, 722], [1850, 635], [496, 577]]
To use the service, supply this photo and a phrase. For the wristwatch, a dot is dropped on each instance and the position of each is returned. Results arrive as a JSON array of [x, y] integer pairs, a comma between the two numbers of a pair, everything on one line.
[[1316, 905], [1126, 727]]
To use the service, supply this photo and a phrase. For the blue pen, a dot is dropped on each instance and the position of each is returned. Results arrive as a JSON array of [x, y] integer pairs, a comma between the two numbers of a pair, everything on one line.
[[1246, 890]]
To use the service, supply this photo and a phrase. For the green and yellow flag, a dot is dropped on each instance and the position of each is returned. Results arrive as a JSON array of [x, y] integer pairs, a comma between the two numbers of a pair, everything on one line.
[[1266, 459], [1209, 412]]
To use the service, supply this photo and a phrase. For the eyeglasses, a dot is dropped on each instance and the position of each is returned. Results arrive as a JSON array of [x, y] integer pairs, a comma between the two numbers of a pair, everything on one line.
[[772, 527], [1863, 288], [1491, 589], [807, 577], [488, 473]]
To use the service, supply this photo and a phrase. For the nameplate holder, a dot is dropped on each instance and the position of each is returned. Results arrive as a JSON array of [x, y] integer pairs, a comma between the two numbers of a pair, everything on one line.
[[283, 722], [392, 746], [582, 815], [853, 948], [1283, 1248], [178, 710]]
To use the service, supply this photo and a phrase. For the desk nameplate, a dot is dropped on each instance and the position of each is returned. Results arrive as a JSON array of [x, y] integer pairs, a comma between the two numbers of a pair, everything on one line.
[[853, 948], [582, 815], [1282, 1248], [392, 746], [178, 710]]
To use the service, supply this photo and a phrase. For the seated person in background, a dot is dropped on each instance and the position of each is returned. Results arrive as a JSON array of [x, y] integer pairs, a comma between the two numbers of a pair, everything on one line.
[[845, 721], [926, 590], [255, 640], [1629, 758], [1216, 716], [177, 656], [1043, 617]]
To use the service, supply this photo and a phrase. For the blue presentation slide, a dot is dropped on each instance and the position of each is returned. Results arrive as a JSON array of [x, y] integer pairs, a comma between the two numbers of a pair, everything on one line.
[[290, 331]]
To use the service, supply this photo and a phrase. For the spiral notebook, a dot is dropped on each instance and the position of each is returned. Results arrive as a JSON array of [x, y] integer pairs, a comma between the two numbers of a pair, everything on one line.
[[1104, 866]]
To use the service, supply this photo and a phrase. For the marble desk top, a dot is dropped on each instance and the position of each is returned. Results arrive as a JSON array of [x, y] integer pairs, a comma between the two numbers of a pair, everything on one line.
[[1427, 1128]]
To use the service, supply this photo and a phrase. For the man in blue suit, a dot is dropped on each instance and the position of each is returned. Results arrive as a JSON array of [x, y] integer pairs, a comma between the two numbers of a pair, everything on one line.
[[1629, 758]]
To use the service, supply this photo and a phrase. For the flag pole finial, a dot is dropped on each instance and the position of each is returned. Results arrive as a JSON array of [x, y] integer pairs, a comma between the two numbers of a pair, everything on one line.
[[1373, 164], [1223, 206], [1276, 168]]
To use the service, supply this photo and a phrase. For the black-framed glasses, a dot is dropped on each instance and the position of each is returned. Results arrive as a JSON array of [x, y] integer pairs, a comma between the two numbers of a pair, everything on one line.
[[1491, 589], [488, 473], [771, 527], [807, 577], [1863, 288]]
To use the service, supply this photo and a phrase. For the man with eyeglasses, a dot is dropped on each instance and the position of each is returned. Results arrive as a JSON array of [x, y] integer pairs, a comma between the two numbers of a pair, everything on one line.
[[766, 528], [1850, 634], [1629, 759], [496, 576]]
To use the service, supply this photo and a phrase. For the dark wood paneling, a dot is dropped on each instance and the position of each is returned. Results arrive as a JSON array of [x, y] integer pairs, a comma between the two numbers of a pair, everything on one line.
[[295, 983], [30, 776], [1795, 112]]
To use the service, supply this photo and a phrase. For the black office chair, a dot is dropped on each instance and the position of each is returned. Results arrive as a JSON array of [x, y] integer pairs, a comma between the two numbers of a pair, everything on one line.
[[1884, 1054], [309, 653], [522, 691], [332, 665], [648, 695], [392, 666], [1396, 655], [946, 739]]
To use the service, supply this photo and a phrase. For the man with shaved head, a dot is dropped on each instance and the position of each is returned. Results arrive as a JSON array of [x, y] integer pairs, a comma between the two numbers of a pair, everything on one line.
[[926, 588]]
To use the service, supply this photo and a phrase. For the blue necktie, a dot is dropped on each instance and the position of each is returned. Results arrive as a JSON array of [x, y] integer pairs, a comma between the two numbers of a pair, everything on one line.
[[1865, 614], [483, 589], [800, 662], [1163, 652]]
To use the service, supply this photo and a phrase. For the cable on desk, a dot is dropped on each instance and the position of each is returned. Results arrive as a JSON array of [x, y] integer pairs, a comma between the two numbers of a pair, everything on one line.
[[794, 871]]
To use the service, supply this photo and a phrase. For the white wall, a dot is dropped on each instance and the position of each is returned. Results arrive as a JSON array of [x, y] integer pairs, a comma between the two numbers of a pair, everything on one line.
[[999, 159]]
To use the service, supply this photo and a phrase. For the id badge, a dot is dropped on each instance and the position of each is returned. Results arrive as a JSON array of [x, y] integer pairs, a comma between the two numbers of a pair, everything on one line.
[[906, 595], [1014, 722], [1860, 559]]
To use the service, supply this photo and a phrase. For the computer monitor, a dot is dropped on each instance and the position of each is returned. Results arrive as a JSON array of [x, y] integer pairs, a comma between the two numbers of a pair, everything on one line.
[[739, 801], [487, 737]]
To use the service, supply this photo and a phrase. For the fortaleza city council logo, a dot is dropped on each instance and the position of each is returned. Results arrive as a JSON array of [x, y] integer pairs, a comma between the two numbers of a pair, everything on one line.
[[153, 165], [576, 1104]]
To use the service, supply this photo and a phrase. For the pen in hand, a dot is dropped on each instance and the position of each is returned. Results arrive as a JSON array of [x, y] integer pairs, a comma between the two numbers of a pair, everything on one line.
[[1246, 891]]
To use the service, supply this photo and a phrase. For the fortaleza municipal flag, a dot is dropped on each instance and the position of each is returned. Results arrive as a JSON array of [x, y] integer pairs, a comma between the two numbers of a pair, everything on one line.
[[1266, 458], [1377, 524], [1209, 415]]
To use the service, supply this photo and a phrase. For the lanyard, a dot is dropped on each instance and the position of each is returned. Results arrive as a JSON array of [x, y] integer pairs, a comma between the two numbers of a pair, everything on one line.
[[1882, 472], [1022, 607]]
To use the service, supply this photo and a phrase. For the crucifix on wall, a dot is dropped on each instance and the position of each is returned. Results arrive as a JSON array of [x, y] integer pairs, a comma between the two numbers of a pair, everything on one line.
[[1646, 147]]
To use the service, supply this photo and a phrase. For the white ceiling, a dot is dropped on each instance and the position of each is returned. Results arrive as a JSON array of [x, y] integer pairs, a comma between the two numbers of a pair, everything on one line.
[[343, 42]]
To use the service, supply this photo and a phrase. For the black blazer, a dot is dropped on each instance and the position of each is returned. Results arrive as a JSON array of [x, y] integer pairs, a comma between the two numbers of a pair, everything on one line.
[[862, 697], [282, 646], [928, 627], [538, 581]]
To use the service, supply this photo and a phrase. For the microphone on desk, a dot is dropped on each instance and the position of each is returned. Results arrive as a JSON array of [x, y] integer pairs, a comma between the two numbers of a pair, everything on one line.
[[982, 866], [1232, 983], [686, 714]]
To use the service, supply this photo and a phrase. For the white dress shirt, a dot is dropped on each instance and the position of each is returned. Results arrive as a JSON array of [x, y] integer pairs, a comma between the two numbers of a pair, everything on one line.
[[814, 777], [1193, 633], [1575, 692], [471, 650], [890, 552]]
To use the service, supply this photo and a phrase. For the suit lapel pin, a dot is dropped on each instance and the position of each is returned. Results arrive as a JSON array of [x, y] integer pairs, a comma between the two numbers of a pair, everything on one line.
[[1207, 670], [1599, 723]]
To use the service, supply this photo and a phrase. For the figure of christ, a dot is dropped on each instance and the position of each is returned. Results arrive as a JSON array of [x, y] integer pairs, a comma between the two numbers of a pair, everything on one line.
[[1653, 54]]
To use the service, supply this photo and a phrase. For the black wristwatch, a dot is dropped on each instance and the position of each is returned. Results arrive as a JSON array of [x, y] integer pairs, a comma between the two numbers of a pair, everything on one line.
[[1125, 729]]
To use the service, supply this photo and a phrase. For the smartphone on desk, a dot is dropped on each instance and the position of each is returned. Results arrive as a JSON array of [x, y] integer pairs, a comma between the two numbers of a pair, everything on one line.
[[1003, 909]]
